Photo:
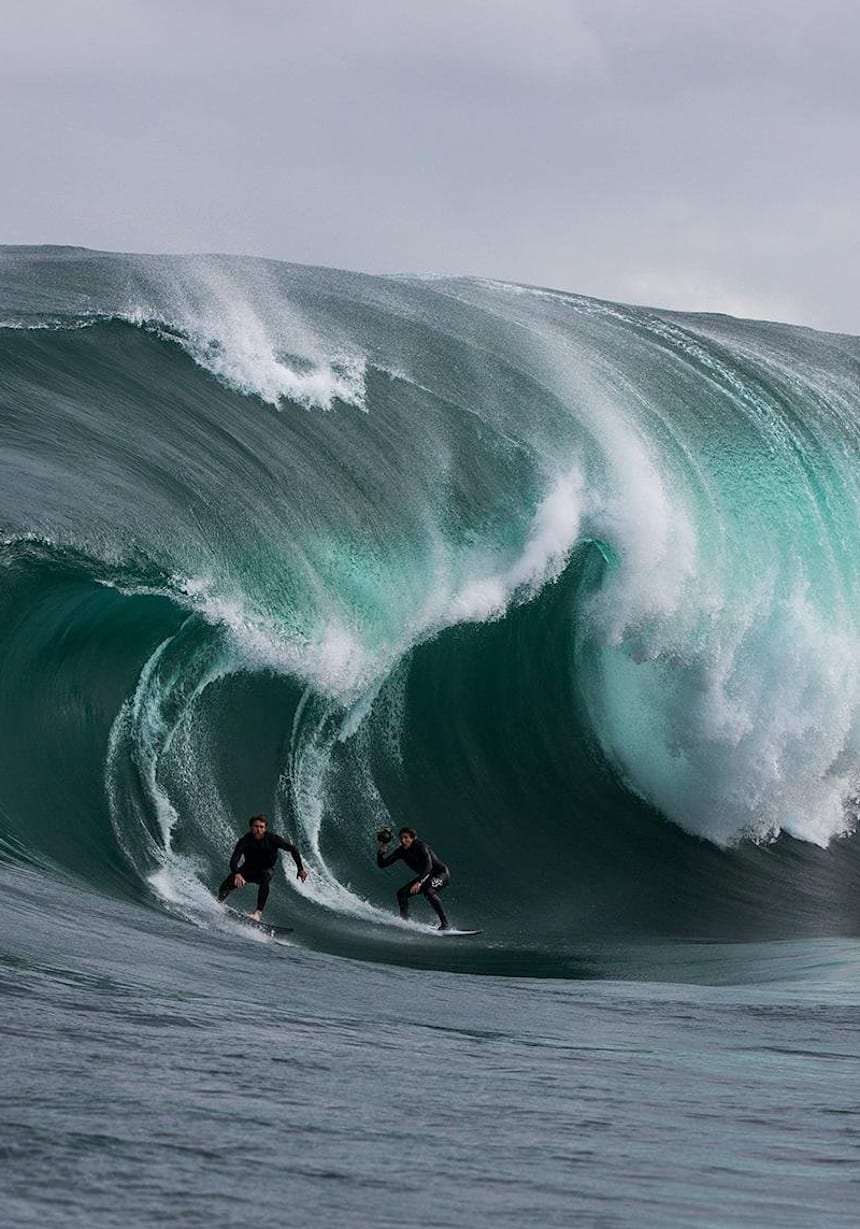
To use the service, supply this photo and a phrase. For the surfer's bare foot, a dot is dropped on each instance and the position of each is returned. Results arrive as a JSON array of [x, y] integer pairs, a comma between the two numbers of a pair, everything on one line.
[[256, 916]]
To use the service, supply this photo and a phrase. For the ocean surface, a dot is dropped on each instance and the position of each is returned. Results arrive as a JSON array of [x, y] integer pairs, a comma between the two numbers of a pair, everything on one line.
[[570, 587]]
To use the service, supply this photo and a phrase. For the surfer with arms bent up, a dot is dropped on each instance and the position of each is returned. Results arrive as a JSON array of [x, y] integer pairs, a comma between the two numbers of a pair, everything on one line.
[[432, 875], [254, 860]]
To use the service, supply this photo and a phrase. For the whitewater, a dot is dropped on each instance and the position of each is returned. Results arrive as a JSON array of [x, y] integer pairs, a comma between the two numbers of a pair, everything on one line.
[[566, 585]]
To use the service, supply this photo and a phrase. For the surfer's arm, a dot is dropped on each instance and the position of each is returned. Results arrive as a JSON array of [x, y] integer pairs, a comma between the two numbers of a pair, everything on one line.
[[289, 848], [386, 859], [237, 855]]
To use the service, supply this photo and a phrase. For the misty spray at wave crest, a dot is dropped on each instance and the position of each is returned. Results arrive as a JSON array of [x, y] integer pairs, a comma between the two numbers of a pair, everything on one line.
[[523, 569]]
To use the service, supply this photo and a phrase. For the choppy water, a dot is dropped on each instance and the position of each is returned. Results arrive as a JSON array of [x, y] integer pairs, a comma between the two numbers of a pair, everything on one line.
[[566, 585], [155, 1075]]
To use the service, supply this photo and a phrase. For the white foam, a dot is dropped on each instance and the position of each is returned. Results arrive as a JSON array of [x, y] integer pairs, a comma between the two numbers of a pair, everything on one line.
[[246, 332], [771, 737], [334, 660], [341, 659], [734, 710]]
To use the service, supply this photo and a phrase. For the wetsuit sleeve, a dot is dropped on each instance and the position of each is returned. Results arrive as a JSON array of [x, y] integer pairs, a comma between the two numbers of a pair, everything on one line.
[[386, 859], [291, 849], [237, 855]]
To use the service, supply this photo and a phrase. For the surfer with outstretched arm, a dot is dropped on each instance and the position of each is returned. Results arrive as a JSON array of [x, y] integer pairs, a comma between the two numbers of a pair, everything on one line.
[[254, 860], [432, 875]]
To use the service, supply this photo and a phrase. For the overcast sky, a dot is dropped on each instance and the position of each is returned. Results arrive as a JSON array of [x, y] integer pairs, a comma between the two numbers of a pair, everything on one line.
[[700, 154]]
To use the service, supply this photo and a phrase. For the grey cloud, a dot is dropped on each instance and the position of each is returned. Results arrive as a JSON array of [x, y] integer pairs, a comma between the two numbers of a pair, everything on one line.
[[705, 152]]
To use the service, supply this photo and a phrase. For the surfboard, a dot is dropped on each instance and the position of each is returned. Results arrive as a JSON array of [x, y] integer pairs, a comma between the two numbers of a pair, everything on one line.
[[458, 934], [268, 928]]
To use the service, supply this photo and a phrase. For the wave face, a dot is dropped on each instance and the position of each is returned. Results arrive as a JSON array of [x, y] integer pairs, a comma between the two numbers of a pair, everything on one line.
[[568, 586]]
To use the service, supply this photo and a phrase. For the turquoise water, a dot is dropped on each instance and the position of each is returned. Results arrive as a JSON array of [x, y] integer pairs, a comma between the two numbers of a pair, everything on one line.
[[566, 585]]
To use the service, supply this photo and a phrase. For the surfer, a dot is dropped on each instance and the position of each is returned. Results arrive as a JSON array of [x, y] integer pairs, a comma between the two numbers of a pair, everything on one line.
[[432, 875], [257, 852]]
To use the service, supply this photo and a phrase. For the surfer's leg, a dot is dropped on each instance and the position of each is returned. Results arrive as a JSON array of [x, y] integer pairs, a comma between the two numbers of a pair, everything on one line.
[[226, 888], [264, 883], [403, 898], [430, 890]]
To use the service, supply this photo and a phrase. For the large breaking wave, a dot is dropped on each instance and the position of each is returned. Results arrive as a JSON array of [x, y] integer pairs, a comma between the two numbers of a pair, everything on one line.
[[567, 585]]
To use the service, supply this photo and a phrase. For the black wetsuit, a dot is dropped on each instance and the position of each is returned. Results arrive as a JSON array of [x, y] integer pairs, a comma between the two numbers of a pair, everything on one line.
[[432, 874], [258, 858]]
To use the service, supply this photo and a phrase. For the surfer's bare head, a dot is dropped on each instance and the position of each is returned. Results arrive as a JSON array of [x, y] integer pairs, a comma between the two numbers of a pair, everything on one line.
[[258, 825], [407, 836]]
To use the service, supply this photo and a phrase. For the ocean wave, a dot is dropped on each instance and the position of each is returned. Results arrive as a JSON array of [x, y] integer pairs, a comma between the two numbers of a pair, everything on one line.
[[582, 563]]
